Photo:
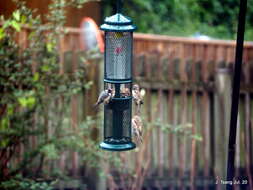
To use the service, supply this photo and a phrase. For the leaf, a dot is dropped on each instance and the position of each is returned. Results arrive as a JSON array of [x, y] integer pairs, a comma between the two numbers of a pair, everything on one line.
[[45, 68], [4, 125], [6, 24], [16, 26], [50, 151], [16, 15], [188, 125], [197, 137], [49, 47], [22, 101], [23, 19], [4, 143], [10, 110], [2, 33], [36, 77], [83, 59], [31, 101], [88, 84], [27, 101]]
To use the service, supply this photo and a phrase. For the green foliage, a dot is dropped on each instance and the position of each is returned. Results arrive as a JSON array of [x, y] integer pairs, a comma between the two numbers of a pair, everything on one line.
[[215, 18], [19, 183], [35, 98], [179, 129]]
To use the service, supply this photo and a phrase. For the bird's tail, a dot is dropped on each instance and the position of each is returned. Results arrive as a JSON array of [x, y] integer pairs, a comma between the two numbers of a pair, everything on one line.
[[139, 137], [95, 106], [140, 140]]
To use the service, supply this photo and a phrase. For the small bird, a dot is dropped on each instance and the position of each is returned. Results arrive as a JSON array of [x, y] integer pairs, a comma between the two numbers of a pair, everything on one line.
[[112, 92], [137, 97], [137, 128], [125, 92], [104, 97]]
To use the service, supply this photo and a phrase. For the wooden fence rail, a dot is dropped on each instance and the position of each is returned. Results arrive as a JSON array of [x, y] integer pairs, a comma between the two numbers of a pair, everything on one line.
[[196, 77], [188, 86]]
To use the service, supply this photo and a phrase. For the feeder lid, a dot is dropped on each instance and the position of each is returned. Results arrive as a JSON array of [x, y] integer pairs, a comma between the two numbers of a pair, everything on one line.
[[118, 23]]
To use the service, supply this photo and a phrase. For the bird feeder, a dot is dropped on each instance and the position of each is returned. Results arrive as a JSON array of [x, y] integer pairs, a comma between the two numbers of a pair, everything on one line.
[[118, 77]]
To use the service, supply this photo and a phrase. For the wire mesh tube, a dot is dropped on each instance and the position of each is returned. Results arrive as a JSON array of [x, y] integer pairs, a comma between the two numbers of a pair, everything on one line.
[[118, 121], [118, 55]]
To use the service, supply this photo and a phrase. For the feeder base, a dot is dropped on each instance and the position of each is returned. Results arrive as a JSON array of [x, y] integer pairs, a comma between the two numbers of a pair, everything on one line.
[[117, 147]]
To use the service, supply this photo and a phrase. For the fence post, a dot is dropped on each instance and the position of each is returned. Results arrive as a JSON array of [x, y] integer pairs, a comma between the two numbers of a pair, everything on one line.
[[222, 104]]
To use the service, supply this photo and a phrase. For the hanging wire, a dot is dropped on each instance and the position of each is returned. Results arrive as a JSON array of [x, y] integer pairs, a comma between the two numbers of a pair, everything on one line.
[[119, 5]]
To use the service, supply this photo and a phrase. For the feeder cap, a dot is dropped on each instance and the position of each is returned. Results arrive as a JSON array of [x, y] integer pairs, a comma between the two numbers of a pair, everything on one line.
[[118, 23]]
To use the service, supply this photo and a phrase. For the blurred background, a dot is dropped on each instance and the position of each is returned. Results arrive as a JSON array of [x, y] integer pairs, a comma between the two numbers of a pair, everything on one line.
[[178, 18], [50, 78]]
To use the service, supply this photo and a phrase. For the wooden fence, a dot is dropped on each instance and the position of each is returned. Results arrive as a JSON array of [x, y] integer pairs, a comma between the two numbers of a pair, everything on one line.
[[188, 93], [189, 81]]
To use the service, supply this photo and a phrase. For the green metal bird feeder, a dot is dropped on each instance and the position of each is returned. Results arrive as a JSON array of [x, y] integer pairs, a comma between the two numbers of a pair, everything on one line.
[[118, 77]]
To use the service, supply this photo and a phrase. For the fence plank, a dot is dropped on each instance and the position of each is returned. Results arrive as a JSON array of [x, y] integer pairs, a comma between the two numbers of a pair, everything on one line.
[[222, 115], [170, 136], [160, 135]]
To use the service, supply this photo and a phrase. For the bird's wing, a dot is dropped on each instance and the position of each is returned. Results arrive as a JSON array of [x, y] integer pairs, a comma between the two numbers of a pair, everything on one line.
[[107, 99], [104, 95], [134, 126]]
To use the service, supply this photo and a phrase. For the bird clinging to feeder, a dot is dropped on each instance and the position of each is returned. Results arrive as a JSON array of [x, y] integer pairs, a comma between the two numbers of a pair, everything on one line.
[[125, 92], [137, 128], [137, 97], [104, 97]]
